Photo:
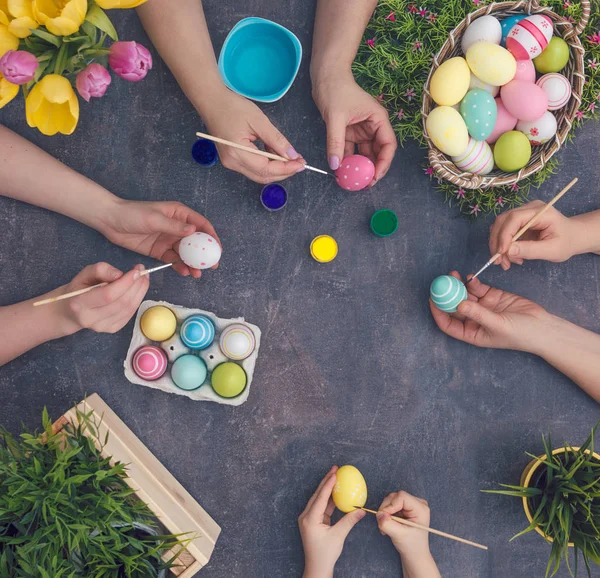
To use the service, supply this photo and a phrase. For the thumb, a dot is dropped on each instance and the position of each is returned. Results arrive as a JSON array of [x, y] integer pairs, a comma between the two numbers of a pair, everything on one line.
[[163, 224], [336, 140], [531, 250], [97, 273], [275, 140], [479, 314], [345, 525], [386, 524]]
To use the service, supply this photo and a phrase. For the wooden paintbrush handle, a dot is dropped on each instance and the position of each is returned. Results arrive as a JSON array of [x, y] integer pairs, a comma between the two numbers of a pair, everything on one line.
[[68, 295]]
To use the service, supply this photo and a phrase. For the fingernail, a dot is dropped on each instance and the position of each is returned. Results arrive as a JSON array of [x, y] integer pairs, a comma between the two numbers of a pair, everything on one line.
[[189, 229], [115, 274], [334, 163], [514, 250], [136, 275], [292, 154], [302, 168]]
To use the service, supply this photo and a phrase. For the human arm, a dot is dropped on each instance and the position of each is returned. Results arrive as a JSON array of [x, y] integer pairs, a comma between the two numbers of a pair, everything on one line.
[[179, 32], [412, 544], [323, 543], [105, 310], [31, 175], [498, 319], [553, 237], [353, 117]]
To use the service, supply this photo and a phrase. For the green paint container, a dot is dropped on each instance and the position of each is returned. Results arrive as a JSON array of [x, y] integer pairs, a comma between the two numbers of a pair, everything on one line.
[[384, 223]]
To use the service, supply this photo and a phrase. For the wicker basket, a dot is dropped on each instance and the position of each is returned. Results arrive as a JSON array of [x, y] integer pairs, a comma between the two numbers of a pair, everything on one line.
[[574, 71]]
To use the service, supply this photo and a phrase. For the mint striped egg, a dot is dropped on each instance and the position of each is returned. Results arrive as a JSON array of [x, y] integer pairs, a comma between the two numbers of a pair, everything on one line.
[[477, 159], [197, 332], [447, 292]]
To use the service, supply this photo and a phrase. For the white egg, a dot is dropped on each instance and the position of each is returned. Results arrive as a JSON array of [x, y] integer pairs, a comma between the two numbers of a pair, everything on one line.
[[478, 83], [200, 251], [539, 131], [557, 89], [484, 29]]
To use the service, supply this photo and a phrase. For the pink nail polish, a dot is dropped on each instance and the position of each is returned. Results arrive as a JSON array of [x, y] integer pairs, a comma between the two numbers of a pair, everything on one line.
[[136, 275], [292, 154], [334, 163], [302, 168]]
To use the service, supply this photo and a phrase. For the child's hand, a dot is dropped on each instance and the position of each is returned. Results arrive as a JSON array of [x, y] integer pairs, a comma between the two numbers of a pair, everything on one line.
[[494, 318], [323, 543], [551, 238], [106, 309]]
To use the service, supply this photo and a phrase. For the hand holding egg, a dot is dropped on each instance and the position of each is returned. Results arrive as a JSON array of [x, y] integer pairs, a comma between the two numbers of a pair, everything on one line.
[[200, 251]]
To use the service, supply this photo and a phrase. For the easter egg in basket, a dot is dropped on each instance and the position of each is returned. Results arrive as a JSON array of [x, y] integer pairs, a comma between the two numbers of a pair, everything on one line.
[[524, 100], [477, 83], [554, 58], [483, 29], [525, 71], [507, 25], [479, 112], [447, 130], [512, 151], [539, 131], [504, 122], [477, 159], [491, 63], [529, 37], [557, 89]]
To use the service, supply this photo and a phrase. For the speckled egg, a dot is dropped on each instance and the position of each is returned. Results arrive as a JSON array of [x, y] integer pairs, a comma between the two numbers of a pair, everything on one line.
[[450, 81], [477, 83], [447, 130], [479, 112], [491, 63], [554, 58], [237, 341], [477, 159], [483, 29], [197, 332], [149, 362], [158, 323], [200, 251], [355, 173], [512, 151], [525, 71], [174, 347], [188, 372], [524, 100], [350, 490], [447, 293], [504, 122], [229, 379], [507, 25], [539, 131], [529, 37], [557, 89]]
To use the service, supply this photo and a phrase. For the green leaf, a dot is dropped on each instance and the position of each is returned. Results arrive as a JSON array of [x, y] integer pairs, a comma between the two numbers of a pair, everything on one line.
[[47, 37], [100, 20]]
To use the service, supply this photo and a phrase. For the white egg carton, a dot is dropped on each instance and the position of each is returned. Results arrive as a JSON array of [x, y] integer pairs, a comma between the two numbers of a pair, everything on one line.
[[212, 355]]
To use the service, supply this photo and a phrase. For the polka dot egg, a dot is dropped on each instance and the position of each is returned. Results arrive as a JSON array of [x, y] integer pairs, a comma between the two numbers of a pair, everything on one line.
[[200, 251], [237, 341], [479, 112], [355, 173], [197, 332], [149, 362], [447, 293]]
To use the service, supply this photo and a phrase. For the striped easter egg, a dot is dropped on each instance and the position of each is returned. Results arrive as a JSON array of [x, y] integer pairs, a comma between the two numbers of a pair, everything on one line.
[[149, 362], [197, 332], [237, 341], [529, 37], [477, 159], [557, 89], [447, 292]]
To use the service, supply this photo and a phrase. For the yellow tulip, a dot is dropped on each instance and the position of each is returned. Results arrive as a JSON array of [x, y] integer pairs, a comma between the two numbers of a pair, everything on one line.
[[108, 4], [60, 17], [52, 106], [18, 16], [7, 91], [8, 41]]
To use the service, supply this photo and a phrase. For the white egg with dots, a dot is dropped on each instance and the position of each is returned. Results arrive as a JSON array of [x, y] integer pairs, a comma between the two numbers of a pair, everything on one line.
[[200, 251]]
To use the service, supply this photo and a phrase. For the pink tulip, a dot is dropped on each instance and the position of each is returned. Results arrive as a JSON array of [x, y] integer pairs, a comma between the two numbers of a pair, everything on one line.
[[130, 60], [93, 81], [18, 66]]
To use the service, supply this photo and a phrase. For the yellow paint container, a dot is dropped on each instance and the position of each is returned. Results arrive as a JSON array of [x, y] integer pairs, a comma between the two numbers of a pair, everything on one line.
[[324, 249]]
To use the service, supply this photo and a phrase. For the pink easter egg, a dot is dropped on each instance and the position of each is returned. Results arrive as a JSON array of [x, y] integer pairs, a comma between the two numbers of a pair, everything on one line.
[[355, 173], [525, 100], [149, 362], [504, 122], [529, 37], [557, 89], [525, 71]]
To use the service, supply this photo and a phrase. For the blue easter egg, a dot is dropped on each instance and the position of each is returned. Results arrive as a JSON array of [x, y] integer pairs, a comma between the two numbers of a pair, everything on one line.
[[188, 372], [479, 111], [197, 332], [507, 25], [447, 292]]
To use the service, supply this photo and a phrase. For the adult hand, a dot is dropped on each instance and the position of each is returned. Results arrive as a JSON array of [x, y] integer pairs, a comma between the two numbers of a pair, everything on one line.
[[106, 309], [551, 238], [494, 318], [354, 119], [323, 543], [154, 229], [235, 118]]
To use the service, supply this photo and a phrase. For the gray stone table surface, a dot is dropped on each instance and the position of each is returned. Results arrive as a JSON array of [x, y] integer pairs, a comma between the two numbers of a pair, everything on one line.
[[352, 368]]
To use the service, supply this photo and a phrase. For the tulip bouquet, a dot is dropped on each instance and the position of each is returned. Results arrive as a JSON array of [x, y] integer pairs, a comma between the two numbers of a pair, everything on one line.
[[49, 48]]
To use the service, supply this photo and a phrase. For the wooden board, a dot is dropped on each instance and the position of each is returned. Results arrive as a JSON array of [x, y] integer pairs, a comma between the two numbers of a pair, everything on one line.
[[173, 506]]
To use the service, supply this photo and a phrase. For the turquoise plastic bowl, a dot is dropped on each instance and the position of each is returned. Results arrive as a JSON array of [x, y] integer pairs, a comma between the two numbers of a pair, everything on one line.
[[260, 59]]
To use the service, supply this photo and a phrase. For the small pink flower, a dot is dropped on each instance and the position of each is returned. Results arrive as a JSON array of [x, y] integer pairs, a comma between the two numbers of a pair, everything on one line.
[[381, 97], [475, 210], [432, 17], [391, 17], [371, 43], [592, 107], [422, 12], [477, 2], [429, 171], [592, 64], [417, 46], [594, 38], [18, 66], [92, 81], [400, 114], [413, 9], [579, 115], [514, 188], [130, 60], [534, 131], [410, 94], [500, 202], [460, 194], [567, 4]]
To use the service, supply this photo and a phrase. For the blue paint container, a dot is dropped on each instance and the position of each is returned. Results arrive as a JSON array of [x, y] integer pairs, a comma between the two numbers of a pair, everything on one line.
[[205, 152], [273, 197]]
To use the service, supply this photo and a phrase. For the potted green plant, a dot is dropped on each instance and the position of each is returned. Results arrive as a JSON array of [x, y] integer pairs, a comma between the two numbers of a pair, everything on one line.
[[66, 511], [560, 490]]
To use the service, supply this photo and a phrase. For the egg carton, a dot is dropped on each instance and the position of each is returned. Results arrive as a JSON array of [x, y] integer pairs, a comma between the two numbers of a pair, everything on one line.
[[173, 347]]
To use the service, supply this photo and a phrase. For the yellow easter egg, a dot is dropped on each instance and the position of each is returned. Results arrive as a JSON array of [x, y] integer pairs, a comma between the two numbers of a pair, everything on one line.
[[450, 82], [491, 63], [350, 491], [158, 323], [448, 130]]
